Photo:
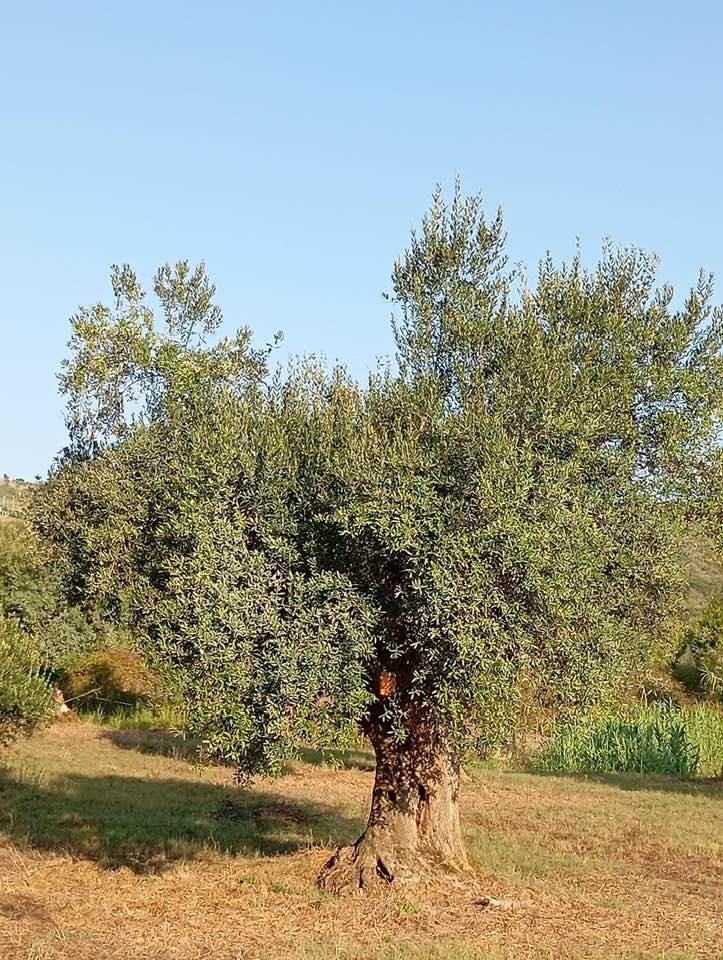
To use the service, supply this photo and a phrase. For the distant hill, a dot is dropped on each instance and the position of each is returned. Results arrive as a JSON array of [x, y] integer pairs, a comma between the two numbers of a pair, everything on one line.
[[16, 483]]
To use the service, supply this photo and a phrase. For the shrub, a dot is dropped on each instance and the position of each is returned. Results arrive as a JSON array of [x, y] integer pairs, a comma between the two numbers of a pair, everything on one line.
[[26, 699], [31, 594], [654, 739], [107, 679]]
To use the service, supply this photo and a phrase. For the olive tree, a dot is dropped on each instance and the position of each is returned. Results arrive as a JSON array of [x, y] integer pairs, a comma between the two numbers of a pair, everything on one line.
[[498, 515]]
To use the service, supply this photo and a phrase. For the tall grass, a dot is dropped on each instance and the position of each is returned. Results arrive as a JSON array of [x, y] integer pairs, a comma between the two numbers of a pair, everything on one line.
[[137, 716], [653, 738]]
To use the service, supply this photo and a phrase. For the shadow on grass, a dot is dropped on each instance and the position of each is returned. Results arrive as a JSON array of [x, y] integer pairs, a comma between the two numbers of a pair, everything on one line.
[[357, 759], [166, 744], [147, 824], [711, 788], [159, 743]]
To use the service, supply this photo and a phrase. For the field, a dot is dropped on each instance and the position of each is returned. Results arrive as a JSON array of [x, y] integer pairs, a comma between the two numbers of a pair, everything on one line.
[[115, 844]]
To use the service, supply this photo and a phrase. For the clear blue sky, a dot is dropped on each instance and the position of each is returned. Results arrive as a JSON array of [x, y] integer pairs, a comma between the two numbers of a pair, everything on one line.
[[294, 145]]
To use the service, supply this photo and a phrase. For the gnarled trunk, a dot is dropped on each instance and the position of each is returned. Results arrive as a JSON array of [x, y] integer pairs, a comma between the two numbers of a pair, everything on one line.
[[414, 819]]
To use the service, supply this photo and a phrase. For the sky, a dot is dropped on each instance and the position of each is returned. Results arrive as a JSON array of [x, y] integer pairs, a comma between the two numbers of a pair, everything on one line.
[[294, 146]]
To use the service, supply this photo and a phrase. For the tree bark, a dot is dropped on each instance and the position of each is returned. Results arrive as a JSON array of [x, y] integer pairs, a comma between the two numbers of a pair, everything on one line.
[[413, 826]]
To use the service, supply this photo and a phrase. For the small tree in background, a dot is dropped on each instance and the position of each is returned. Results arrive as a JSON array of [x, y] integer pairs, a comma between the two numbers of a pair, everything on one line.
[[39, 631], [501, 514]]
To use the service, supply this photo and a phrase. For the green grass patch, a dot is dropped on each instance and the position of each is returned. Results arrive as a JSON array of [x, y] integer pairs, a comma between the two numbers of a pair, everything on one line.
[[137, 716], [653, 739], [521, 858]]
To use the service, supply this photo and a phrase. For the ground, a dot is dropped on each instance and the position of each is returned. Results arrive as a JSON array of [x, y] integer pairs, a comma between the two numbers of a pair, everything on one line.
[[115, 845]]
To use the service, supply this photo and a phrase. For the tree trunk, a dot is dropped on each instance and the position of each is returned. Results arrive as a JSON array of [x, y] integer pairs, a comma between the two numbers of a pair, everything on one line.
[[413, 825]]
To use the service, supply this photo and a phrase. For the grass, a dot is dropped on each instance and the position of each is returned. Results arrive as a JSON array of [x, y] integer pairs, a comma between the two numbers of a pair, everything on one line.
[[115, 843], [652, 738], [137, 716], [102, 804]]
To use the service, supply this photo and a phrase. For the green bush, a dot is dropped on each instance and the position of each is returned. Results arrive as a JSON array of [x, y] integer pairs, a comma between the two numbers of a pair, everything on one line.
[[654, 739], [106, 679], [31, 594], [26, 699]]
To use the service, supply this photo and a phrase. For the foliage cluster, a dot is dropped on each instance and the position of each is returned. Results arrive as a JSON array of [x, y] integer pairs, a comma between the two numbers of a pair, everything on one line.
[[31, 592], [700, 661], [26, 700], [704, 573], [41, 632]]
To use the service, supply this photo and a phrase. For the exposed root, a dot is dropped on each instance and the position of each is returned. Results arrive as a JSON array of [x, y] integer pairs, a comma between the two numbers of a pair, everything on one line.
[[357, 868], [368, 864], [363, 868]]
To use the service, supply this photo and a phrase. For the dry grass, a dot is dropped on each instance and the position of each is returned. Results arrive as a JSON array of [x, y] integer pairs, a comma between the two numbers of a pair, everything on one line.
[[113, 846]]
